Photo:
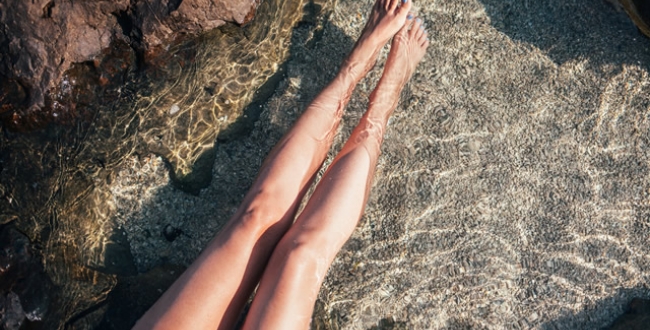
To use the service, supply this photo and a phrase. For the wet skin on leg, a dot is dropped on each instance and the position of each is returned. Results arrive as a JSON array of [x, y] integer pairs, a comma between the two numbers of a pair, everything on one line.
[[292, 279], [212, 291]]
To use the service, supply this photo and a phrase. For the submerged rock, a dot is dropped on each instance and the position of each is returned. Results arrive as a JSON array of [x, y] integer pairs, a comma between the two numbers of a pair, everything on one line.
[[231, 70]]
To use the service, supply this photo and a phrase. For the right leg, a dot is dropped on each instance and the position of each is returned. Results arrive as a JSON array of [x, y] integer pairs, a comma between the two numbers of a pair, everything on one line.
[[292, 279], [212, 291]]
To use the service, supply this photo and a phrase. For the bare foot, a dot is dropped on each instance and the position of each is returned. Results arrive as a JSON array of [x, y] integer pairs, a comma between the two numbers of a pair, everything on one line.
[[386, 18], [407, 50]]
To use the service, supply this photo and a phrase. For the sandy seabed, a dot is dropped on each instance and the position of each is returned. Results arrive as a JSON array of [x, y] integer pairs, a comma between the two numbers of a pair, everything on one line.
[[514, 187]]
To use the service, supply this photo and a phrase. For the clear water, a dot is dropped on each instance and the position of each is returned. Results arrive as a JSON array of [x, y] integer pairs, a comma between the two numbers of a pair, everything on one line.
[[513, 191]]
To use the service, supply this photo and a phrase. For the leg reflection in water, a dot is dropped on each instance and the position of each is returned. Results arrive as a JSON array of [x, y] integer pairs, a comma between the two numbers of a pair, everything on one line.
[[261, 243]]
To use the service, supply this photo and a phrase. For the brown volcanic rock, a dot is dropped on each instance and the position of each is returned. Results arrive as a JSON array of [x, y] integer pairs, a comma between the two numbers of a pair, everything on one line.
[[41, 39], [162, 20], [11, 93]]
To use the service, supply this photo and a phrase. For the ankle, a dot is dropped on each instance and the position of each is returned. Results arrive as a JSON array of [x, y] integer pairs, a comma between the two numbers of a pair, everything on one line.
[[362, 58], [353, 70], [379, 113], [368, 41]]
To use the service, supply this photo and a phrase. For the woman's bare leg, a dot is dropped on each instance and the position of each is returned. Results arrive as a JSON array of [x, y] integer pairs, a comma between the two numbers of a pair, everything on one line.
[[293, 276], [212, 291]]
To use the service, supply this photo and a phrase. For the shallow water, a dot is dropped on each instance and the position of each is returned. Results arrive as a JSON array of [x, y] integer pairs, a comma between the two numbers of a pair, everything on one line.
[[513, 190]]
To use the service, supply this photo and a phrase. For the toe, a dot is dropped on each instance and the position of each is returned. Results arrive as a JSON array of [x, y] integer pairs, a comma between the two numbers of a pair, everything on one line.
[[424, 39], [415, 28], [409, 17], [393, 5], [419, 32], [404, 7]]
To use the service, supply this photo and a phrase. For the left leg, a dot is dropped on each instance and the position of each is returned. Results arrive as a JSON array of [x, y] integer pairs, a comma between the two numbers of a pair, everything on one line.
[[291, 281]]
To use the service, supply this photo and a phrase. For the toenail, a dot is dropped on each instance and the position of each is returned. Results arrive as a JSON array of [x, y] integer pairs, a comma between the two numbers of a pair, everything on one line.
[[405, 1], [409, 16], [418, 20]]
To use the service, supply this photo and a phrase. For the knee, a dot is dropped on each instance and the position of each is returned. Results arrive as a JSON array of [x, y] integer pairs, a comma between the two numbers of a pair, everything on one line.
[[261, 212], [307, 258], [308, 245]]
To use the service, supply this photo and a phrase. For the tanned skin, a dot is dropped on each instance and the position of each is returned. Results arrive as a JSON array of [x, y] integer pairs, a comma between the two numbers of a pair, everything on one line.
[[261, 244]]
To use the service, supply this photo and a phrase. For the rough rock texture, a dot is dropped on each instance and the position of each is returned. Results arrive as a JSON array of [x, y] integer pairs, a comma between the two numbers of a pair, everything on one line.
[[162, 20], [40, 40]]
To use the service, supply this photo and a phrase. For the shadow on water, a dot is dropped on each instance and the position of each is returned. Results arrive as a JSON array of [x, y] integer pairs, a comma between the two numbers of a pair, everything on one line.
[[572, 30], [316, 50]]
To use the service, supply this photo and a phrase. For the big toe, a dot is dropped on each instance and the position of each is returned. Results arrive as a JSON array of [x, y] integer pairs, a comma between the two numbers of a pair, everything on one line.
[[404, 7], [392, 4]]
